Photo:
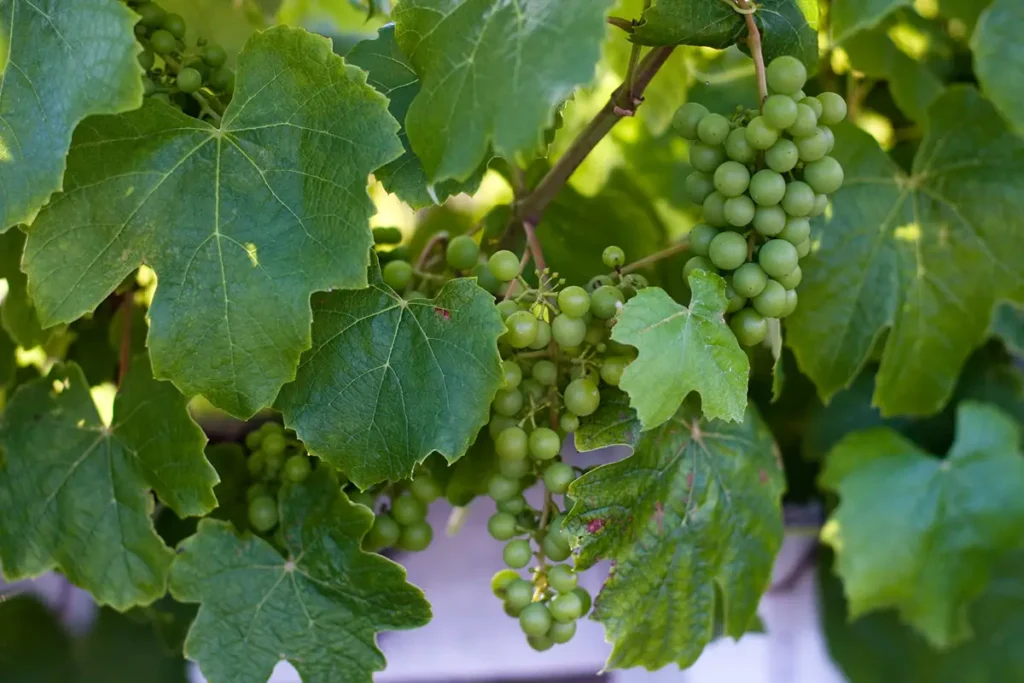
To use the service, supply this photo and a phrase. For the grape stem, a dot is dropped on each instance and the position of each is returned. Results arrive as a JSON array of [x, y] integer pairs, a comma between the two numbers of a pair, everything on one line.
[[665, 253], [529, 227], [428, 248], [754, 41], [618, 22], [124, 357]]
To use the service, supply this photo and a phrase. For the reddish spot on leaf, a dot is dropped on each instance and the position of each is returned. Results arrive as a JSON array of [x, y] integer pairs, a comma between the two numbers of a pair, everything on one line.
[[443, 313], [595, 525], [763, 476], [689, 480], [659, 515]]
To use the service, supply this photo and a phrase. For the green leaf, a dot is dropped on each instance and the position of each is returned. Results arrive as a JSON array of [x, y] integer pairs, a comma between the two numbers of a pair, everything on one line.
[[391, 74], [852, 16], [120, 650], [999, 58], [492, 73], [925, 254], [614, 423], [682, 350], [320, 608], [788, 27], [965, 11], [229, 460], [919, 534], [693, 522], [8, 361], [76, 492], [241, 223], [1008, 325], [33, 645], [912, 84], [60, 61], [17, 313], [389, 381]]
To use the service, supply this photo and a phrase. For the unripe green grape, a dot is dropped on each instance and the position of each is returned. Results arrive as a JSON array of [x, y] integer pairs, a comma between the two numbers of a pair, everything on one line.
[[513, 506], [274, 444], [566, 608], [585, 599], [273, 464], [713, 210], [632, 283], [586, 372], [214, 55], [698, 263], [485, 278], [749, 326], [140, 31], [833, 108], [806, 122], [568, 331], [812, 147], [563, 579], [545, 372], [791, 302], [517, 553], [597, 330], [814, 103], [820, 204], [148, 86], [535, 620], [738, 148], [732, 178], [504, 265], [771, 302], [713, 129], [508, 402], [831, 137], [415, 537], [408, 510], [502, 488], [521, 329], [687, 117], [189, 80], [544, 443], [599, 281], [534, 389], [507, 308], [706, 158], [736, 302], [560, 633], [163, 42], [253, 440], [786, 75], [749, 280], [582, 397], [791, 281], [519, 592], [796, 230], [175, 25], [384, 533], [296, 469], [778, 258], [397, 275], [739, 211], [568, 423], [612, 368], [514, 469], [780, 111], [263, 513], [574, 301], [728, 250], [605, 302], [543, 336], [760, 134], [257, 490], [425, 488], [462, 253], [700, 239], [512, 374], [698, 186], [769, 220], [782, 156], [804, 248], [825, 176], [387, 235], [799, 198], [222, 79], [151, 15], [146, 59], [511, 443], [767, 187], [556, 546], [558, 476], [502, 580], [502, 526], [613, 256]]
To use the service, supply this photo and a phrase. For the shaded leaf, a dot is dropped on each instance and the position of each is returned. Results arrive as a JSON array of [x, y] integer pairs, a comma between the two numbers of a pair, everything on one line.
[[614, 423], [17, 313], [912, 84], [999, 58], [34, 647], [848, 17], [1008, 325]]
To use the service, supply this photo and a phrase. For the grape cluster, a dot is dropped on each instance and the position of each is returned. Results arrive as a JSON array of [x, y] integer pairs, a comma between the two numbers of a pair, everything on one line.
[[760, 177], [400, 513], [275, 456], [175, 71]]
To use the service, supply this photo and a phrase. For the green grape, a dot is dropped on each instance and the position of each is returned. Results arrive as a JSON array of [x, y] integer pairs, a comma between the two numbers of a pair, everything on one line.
[[535, 389], [558, 476], [562, 633], [253, 440], [568, 331], [585, 599], [582, 397], [791, 301], [771, 301], [556, 546], [397, 275], [502, 526], [706, 158], [586, 372], [777, 257], [544, 443], [507, 308], [612, 368], [513, 506], [545, 372], [814, 103], [806, 122], [749, 280], [698, 263], [786, 75], [780, 111], [222, 79], [513, 469], [830, 135], [163, 42], [833, 108], [175, 25], [151, 15], [767, 187], [791, 281], [738, 148], [508, 402], [567, 607], [568, 423], [416, 537], [749, 326], [511, 443], [739, 211], [535, 620], [599, 281], [257, 490], [700, 239], [504, 265], [148, 86], [274, 444], [521, 329], [502, 488], [633, 281], [387, 236], [799, 198], [500, 423], [296, 469], [769, 220], [605, 301], [732, 179], [825, 176], [804, 248], [736, 302], [512, 611], [462, 253], [543, 336], [189, 80], [796, 230], [562, 578], [485, 278], [517, 553], [425, 488], [687, 117], [713, 129], [728, 251], [597, 330], [384, 533], [812, 147], [820, 204], [574, 301], [714, 210], [214, 55], [263, 513], [760, 134], [698, 186], [273, 464], [613, 257], [141, 31], [519, 593], [502, 580], [408, 510], [782, 156], [146, 60], [511, 373]]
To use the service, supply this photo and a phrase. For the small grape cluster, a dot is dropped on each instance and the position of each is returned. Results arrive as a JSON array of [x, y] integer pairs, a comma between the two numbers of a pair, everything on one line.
[[760, 178], [400, 521], [175, 71], [275, 456]]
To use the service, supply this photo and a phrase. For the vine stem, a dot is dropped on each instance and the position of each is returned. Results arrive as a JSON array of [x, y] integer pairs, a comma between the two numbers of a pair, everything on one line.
[[531, 240], [124, 357], [756, 52], [437, 239], [665, 253]]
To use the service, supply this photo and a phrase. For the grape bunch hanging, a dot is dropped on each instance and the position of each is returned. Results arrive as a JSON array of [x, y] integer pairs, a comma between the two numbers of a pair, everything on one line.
[[760, 178]]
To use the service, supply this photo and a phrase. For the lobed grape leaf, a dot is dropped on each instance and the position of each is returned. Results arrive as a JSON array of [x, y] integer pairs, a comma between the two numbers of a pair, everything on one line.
[[389, 381], [390, 73], [60, 61], [848, 17], [1008, 325], [241, 222], [76, 492], [923, 253], [788, 27], [682, 350], [692, 521], [17, 313], [320, 608], [999, 58], [912, 84], [919, 534], [492, 72]]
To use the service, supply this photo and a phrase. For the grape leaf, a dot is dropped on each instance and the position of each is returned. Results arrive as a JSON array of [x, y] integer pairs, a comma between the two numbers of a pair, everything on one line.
[[17, 313], [965, 11], [60, 61], [389, 381], [919, 534], [76, 492], [492, 72], [906, 252], [614, 423], [788, 27], [999, 58], [391, 74], [34, 647], [1008, 325], [682, 350], [692, 521], [849, 17], [8, 361], [320, 608], [912, 84], [241, 223]]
